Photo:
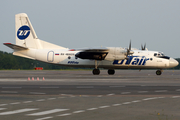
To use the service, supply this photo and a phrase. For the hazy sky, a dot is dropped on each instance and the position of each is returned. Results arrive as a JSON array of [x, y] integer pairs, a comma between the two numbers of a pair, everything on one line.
[[88, 23]]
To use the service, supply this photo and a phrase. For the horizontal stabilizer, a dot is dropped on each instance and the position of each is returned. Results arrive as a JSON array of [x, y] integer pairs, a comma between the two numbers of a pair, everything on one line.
[[15, 47]]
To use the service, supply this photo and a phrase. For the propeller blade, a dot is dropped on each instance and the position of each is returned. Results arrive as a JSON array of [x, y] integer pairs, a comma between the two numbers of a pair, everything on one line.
[[143, 47], [130, 45], [129, 52]]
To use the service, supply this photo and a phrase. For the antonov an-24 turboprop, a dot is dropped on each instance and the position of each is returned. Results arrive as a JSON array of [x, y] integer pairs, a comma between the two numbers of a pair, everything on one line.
[[29, 46]]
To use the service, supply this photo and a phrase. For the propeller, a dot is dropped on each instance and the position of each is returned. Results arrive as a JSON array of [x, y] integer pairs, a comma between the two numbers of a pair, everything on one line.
[[129, 52], [143, 47]]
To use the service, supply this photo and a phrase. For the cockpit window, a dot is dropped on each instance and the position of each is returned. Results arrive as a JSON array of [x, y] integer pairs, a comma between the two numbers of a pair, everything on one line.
[[159, 54]]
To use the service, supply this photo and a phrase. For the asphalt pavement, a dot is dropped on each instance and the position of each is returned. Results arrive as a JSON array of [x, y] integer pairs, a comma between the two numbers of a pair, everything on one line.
[[79, 95]]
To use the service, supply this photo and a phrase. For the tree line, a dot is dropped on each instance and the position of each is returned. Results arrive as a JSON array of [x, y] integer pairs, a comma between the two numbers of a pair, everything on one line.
[[9, 61]]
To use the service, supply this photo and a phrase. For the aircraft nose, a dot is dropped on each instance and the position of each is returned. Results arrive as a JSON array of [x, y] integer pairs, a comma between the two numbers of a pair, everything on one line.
[[173, 62]]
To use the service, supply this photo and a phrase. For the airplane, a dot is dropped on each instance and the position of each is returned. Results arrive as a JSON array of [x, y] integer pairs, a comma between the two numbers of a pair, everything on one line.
[[29, 46]]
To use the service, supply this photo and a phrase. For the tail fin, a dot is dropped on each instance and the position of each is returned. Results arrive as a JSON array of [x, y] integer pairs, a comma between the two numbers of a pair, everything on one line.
[[26, 36], [25, 33]]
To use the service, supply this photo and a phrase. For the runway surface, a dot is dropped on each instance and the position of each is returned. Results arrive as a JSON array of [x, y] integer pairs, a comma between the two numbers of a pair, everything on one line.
[[79, 95]]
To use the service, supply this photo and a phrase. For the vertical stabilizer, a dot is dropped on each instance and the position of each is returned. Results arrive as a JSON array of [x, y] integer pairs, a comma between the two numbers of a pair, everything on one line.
[[25, 34]]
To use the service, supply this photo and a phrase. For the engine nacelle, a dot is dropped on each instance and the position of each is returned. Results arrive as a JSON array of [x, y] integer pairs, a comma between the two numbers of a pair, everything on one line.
[[91, 55], [116, 53]]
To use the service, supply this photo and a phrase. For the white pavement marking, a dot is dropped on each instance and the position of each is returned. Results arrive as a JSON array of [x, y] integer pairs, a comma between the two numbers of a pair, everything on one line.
[[3, 104], [37, 93], [125, 103], [85, 87], [40, 100], [80, 111], [15, 103], [45, 118], [150, 98], [11, 87], [47, 112], [92, 109], [110, 94], [161, 91], [116, 86], [27, 101], [69, 95], [135, 101], [65, 114], [9, 92], [175, 96], [178, 90], [99, 96], [51, 98], [142, 91], [49, 87], [3, 108], [125, 92], [116, 104], [104, 106], [18, 111]]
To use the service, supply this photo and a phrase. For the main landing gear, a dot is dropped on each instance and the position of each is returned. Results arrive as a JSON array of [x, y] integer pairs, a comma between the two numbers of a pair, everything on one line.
[[96, 71], [111, 72], [158, 72]]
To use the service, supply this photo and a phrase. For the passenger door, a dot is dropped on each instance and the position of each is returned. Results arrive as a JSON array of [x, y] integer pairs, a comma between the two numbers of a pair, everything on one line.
[[50, 56]]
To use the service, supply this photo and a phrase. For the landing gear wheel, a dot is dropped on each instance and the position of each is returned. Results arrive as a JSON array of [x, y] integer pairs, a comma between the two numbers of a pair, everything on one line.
[[111, 72], [96, 71], [158, 72]]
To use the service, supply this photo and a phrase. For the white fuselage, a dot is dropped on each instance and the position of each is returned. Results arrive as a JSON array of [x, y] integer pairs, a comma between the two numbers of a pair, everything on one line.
[[65, 57]]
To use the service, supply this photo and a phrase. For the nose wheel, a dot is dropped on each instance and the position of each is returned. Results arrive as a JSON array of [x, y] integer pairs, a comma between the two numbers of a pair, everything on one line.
[[158, 72]]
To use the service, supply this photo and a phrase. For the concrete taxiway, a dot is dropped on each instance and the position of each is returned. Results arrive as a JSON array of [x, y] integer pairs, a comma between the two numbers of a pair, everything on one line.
[[79, 95]]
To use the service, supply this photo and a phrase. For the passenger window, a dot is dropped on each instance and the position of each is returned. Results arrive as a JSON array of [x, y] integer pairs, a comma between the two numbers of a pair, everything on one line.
[[69, 57], [151, 59]]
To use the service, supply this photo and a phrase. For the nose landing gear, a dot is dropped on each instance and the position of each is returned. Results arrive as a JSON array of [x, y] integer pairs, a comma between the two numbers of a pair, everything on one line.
[[158, 72]]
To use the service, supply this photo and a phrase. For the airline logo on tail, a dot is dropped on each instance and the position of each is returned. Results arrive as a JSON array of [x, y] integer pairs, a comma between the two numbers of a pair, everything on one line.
[[23, 32]]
